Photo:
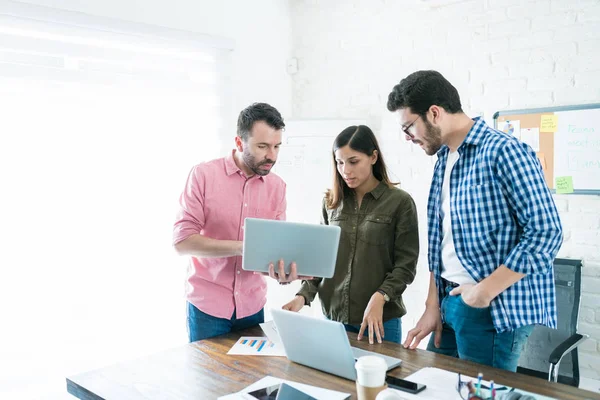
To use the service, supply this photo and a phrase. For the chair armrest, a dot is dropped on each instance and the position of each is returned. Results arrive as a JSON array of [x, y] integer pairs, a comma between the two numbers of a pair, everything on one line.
[[565, 347]]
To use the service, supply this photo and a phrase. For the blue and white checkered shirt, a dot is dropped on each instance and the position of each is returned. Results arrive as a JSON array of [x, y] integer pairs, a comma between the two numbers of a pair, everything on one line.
[[502, 213]]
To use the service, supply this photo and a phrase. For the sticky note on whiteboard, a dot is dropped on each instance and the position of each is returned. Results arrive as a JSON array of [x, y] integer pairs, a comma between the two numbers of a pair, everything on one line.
[[564, 184], [549, 123]]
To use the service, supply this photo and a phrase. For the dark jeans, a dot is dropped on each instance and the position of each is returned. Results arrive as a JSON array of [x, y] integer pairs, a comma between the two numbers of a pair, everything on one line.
[[203, 326], [469, 334]]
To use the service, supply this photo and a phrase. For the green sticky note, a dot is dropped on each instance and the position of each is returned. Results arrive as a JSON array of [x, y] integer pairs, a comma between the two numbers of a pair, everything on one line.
[[564, 184]]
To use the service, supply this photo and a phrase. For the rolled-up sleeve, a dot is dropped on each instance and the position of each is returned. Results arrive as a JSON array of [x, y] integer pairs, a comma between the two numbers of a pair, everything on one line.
[[190, 216], [531, 203]]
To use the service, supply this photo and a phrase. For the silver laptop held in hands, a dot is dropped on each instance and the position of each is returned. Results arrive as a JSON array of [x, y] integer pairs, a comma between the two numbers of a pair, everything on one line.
[[313, 247], [321, 344]]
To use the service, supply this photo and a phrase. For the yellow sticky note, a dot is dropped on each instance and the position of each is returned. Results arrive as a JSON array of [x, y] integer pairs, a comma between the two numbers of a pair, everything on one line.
[[549, 123], [564, 184]]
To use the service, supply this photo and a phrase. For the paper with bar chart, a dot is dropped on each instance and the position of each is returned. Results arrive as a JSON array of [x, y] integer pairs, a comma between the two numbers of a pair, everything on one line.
[[256, 346]]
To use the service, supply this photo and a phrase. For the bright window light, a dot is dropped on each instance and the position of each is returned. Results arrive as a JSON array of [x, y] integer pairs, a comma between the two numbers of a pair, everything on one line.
[[96, 141]]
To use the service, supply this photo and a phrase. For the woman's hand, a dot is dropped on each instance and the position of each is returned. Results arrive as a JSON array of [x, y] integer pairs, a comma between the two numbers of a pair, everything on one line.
[[373, 318], [295, 305]]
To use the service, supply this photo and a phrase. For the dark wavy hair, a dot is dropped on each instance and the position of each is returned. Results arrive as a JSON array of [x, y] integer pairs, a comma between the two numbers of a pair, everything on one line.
[[360, 138], [258, 112], [423, 89]]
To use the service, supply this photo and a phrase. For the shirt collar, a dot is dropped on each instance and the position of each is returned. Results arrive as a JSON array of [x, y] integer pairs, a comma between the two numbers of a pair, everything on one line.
[[477, 132], [379, 190], [376, 193], [232, 168], [474, 137], [230, 165]]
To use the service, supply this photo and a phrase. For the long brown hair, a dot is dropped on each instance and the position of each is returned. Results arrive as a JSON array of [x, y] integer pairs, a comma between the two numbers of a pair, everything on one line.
[[360, 138]]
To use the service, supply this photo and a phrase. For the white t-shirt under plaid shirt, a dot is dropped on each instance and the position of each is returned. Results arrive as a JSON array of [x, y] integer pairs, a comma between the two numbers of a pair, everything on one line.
[[502, 214]]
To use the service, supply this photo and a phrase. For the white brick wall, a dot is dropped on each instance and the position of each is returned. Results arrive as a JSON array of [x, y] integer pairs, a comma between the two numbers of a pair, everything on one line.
[[498, 53]]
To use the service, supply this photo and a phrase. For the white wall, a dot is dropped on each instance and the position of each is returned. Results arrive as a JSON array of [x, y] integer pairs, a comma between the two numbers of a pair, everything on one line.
[[500, 54], [261, 30]]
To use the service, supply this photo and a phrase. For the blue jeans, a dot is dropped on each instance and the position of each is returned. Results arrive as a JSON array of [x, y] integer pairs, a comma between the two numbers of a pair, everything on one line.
[[469, 334], [392, 330], [203, 326]]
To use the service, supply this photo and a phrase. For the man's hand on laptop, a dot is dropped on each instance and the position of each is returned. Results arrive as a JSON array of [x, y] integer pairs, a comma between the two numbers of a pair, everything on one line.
[[284, 278], [295, 305], [373, 319]]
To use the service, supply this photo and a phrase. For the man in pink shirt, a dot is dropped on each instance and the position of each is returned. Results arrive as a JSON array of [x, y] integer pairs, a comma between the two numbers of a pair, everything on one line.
[[218, 196]]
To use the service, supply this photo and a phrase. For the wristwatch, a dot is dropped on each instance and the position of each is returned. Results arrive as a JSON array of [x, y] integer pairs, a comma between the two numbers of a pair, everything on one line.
[[385, 296]]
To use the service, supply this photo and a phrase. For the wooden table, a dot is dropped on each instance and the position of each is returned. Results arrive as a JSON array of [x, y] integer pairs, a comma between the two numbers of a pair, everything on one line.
[[203, 370]]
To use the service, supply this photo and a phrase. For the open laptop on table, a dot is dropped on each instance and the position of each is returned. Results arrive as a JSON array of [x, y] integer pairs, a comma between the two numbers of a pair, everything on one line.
[[321, 344], [313, 247]]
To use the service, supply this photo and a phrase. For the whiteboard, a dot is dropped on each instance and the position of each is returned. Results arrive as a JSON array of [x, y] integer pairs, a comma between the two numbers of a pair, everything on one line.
[[577, 147], [305, 164], [571, 150]]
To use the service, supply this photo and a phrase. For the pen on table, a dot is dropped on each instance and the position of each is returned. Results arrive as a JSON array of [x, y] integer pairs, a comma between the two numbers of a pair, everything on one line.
[[479, 376], [493, 390]]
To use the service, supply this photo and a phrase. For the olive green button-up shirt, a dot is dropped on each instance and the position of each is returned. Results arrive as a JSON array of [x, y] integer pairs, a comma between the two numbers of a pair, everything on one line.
[[379, 248]]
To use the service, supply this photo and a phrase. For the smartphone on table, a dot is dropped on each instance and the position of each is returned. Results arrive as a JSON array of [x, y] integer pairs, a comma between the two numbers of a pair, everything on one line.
[[404, 385]]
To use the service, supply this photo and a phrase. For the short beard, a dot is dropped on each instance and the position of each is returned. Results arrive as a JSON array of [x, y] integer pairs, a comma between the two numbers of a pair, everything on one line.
[[433, 139], [251, 163]]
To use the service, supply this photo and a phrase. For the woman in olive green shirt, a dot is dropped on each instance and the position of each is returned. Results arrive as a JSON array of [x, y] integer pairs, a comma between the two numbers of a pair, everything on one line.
[[379, 243]]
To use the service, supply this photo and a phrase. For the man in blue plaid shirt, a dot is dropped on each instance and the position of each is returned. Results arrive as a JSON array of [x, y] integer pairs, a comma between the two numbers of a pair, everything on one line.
[[493, 229]]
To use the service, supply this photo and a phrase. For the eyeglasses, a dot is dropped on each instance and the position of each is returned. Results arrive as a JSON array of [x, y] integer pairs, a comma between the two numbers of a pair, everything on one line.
[[466, 390], [406, 128]]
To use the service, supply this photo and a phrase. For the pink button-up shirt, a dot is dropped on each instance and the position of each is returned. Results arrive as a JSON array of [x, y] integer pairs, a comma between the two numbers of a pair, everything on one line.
[[216, 200]]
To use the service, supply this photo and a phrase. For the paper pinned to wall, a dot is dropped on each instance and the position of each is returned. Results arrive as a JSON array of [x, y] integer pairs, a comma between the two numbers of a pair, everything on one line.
[[531, 136], [542, 157], [564, 184], [512, 127], [549, 123]]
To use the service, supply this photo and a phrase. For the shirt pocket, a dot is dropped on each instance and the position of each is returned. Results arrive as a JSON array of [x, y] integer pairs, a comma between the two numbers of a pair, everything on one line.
[[487, 205], [376, 230], [337, 219]]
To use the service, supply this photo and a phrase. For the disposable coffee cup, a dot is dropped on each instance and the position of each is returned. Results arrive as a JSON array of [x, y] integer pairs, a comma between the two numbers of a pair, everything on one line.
[[370, 371]]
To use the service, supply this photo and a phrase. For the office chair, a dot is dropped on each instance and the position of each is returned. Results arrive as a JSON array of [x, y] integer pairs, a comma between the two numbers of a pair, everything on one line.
[[548, 349]]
